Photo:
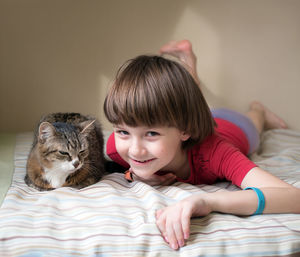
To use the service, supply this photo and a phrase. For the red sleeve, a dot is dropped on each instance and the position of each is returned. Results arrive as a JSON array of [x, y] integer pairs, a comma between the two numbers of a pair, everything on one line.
[[233, 134], [111, 151], [217, 159], [227, 162]]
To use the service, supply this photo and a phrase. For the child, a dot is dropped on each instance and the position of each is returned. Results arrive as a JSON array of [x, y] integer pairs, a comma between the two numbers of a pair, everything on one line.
[[164, 131]]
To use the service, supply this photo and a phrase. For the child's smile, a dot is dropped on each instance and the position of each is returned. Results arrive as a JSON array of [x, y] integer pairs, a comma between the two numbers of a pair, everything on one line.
[[142, 162], [148, 150]]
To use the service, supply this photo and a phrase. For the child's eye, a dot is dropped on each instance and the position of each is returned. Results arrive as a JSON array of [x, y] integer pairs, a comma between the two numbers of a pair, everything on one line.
[[152, 134], [122, 132]]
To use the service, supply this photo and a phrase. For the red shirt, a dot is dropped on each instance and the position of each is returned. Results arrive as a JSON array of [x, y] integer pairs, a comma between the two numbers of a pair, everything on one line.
[[221, 156]]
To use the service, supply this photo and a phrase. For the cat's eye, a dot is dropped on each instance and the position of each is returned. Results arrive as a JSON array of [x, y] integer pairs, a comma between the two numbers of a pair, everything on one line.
[[63, 153]]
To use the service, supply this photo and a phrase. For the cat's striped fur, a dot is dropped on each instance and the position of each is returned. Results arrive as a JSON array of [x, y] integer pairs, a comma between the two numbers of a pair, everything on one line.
[[67, 151]]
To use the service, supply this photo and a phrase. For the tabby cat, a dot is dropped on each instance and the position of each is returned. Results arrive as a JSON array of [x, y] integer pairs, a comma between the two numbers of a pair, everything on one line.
[[67, 151]]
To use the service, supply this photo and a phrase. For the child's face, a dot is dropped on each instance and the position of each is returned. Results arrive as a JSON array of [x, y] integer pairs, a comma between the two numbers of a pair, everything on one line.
[[148, 150]]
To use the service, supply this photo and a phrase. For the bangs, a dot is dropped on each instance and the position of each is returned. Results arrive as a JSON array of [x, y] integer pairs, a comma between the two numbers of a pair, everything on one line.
[[138, 99]]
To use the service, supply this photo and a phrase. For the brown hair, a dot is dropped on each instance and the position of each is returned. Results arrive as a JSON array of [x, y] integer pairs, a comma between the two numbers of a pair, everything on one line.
[[154, 91]]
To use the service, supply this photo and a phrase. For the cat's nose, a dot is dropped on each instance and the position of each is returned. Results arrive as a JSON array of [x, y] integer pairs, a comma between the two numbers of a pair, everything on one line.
[[75, 163]]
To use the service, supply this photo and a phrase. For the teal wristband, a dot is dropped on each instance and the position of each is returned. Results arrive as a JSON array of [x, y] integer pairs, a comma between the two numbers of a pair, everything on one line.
[[261, 200]]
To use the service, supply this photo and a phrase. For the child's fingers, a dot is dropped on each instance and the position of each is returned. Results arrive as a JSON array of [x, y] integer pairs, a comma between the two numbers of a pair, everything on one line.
[[163, 228], [171, 236], [186, 228], [186, 222], [174, 225], [161, 222], [177, 227], [181, 227]]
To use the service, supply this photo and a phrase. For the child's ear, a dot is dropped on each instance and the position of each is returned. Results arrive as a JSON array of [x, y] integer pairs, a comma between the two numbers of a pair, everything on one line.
[[184, 136]]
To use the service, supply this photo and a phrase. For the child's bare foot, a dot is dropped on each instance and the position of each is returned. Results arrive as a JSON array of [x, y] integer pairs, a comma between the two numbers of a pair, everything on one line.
[[183, 51], [271, 120], [180, 49]]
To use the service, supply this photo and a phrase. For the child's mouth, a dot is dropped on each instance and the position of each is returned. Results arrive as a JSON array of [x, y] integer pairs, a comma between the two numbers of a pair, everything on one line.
[[142, 161]]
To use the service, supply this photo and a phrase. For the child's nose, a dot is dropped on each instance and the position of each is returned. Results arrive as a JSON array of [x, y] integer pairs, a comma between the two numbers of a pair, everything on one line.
[[137, 149]]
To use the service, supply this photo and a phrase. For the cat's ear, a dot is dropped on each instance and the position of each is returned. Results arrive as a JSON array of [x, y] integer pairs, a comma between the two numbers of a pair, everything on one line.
[[86, 126], [46, 130]]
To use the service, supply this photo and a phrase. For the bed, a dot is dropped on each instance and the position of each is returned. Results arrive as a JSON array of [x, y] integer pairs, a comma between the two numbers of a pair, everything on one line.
[[116, 218]]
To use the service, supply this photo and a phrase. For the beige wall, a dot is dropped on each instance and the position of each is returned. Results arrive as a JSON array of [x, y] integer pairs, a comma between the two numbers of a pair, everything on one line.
[[61, 55]]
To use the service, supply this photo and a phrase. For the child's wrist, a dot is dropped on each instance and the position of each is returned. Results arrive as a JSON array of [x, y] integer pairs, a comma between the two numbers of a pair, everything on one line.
[[211, 202], [203, 204], [216, 202]]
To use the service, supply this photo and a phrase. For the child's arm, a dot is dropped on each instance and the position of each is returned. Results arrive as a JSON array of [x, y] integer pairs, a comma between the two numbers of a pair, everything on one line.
[[280, 197]]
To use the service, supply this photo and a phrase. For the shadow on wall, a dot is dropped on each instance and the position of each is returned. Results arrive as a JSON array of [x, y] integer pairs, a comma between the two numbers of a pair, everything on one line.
[[247, 50], [55, 55], [61, 55]]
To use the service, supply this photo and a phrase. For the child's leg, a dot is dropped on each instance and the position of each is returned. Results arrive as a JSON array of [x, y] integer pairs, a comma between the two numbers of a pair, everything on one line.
[[263, 118], [183, 51], [243, 122], [253, 123]]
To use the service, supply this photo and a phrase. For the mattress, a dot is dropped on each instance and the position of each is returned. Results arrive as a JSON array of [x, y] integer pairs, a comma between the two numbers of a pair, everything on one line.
[[7, 146], [117, 218]]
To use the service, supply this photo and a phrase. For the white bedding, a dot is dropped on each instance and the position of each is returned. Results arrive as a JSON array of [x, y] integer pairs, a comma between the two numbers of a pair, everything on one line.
[[116, 218]]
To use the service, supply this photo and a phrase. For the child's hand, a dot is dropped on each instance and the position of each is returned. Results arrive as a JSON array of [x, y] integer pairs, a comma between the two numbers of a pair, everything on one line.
[[174, 221], [157, 180]]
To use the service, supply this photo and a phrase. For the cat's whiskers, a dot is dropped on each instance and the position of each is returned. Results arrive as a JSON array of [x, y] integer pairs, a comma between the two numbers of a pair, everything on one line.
[[91, 164]]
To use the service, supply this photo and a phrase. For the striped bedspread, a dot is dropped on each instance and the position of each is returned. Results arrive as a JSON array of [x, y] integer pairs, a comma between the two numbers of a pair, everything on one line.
[[116, 218]]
